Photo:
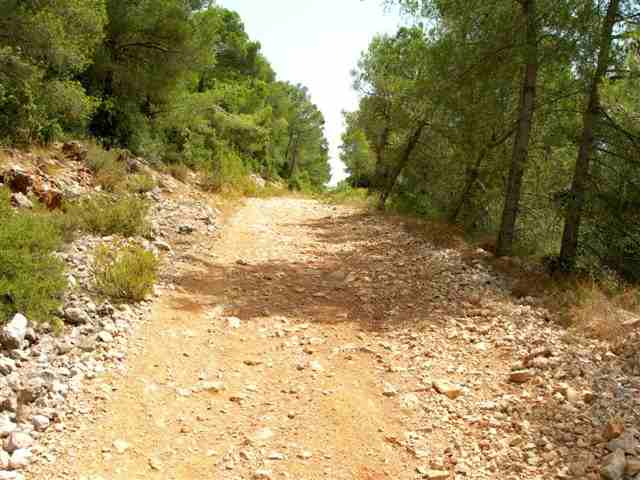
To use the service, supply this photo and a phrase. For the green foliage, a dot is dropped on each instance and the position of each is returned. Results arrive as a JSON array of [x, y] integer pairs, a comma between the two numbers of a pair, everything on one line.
[[109, 172], [140, 183], [125, 273], [436, 128], [104, 215], [229, 175], [31, 277], [177, 82], [345, 194]]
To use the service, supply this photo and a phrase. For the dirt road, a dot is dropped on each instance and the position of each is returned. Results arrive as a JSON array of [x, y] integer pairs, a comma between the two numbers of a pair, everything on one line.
[[305, 343]]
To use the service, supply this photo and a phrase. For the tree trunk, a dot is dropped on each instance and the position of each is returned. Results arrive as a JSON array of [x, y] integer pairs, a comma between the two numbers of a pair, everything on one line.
[[472, 177], [573, 218], [520, 153], [404, 160]]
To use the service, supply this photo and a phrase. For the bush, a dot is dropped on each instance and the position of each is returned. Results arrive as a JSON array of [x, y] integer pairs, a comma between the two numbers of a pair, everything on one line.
[[229, 175], [179, 171], [31, 279], [125, 273], [107, 215], [344, 193], [141, 183], [108, 171]]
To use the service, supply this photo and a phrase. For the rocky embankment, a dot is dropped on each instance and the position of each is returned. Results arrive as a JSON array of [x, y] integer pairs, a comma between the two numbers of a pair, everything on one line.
[[41, 369]]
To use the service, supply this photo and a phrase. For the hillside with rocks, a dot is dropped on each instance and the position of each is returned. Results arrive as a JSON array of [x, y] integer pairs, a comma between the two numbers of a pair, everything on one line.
[[297, 339]]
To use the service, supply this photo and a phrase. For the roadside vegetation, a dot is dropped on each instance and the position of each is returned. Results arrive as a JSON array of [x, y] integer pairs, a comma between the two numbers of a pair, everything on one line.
[[127, 272], [516, 124]]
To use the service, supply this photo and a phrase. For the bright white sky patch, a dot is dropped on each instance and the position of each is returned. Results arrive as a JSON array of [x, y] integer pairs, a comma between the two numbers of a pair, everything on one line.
[[317, 43]]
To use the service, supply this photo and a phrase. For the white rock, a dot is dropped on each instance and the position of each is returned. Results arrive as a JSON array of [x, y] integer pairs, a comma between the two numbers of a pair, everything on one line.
[[20, 458], [120, 446], [389, 390], [234, 322], [17, 441], [5, 458], [6, 426], [11, 476], [40, 422], [211, 387], [316, 366], [262, 475], [262, 435], [105, 337], [13, 333]]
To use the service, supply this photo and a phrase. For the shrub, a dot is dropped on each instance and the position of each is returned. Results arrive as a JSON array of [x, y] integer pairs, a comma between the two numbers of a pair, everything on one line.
[[141, 183], [179, 171], [125, 273], [108, 171], [107, 215], [31, 277], [346, 194], [228, 175]]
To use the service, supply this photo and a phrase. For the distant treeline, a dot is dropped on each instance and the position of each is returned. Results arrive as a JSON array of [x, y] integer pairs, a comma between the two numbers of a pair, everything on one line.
[[176, 81]]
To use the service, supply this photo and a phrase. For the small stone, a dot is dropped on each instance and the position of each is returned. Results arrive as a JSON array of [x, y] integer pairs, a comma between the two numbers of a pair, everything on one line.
[[614, 466], [120, 446], [449, 390], [588, 396], [234, 322], [6, 426], [105, 337], [252, 362], [185, 229], [435, 474], [87, 344], [7, 475], [389, 390], [155, 464], [160, 245], [20, 459], [262, 435], [625, 442], [76, 316], [263, 475], [184, 392], [276, 456], [613, 429], [17, 441], [521, 376], [210, 387], [40, 422], [316, 366], [306, 455], [20, 200]]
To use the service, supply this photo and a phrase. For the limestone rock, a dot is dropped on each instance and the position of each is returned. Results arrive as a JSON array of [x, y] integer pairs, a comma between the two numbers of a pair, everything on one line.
[[614, 466], [448, 389], [13, 333]]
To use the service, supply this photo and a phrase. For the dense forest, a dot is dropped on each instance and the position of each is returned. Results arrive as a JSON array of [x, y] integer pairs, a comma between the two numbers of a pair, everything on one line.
[[517, 120], [174, 81]]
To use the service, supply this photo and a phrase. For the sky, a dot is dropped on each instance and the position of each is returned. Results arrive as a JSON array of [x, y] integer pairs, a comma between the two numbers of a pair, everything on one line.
[[317, 43]]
